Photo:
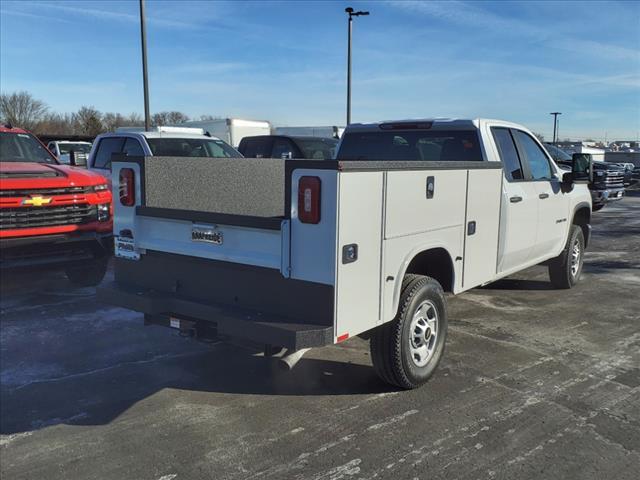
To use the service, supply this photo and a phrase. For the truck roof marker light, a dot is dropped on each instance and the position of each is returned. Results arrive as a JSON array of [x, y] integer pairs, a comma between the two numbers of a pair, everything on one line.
[[343, 337], [309, 200], [127, 187]]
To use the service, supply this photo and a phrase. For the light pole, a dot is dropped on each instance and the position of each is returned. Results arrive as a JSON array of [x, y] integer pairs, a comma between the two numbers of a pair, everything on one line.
[[555, 125], [351, 14], [145, 81]]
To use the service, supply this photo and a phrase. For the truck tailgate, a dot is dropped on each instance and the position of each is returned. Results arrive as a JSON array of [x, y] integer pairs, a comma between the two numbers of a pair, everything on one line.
[[231, 210]]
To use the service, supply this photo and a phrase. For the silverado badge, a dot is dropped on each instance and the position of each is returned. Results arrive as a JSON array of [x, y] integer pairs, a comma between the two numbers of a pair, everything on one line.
[[206, 233], [36, 201]]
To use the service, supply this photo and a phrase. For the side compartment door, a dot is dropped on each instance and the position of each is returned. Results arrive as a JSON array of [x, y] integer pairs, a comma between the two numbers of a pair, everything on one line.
[[519, 207], [482, 226], [358, 253], [553, 207]]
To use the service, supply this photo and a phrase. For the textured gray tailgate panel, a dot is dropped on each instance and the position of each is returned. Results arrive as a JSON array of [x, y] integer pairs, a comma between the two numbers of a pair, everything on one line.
[[238, 186]]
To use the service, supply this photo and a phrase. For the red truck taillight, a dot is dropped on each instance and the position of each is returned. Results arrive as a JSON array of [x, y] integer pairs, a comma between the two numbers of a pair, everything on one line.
[[309, 200], [127, 187]]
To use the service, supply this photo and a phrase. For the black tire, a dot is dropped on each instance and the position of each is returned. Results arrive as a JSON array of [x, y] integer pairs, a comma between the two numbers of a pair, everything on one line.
[[392, 343], [561, 271], [595, 208], [89, 274]]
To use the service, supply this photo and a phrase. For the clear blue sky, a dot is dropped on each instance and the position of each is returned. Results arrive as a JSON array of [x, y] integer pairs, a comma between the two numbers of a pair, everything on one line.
[[285, 61]]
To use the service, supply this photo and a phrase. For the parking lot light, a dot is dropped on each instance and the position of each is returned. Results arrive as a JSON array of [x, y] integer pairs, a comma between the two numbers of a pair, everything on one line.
[[555, 126], [351, 14]]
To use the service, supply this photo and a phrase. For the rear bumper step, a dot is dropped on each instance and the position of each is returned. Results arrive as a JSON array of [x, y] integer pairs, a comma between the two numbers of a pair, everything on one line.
[[259, 327]]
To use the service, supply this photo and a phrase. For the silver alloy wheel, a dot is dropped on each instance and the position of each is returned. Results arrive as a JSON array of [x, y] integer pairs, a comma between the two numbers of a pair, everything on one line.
[[424, 333], [575, 258]]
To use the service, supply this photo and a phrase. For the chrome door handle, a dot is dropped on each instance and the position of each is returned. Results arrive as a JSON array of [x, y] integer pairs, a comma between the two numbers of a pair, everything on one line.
[[515, 199], [543, 196]]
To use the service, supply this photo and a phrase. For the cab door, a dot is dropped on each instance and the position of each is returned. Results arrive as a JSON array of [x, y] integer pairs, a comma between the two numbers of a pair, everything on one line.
[[519, 206], [552, 202]]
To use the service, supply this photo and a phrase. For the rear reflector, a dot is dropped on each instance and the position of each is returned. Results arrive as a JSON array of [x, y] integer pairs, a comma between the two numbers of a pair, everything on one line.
[[343, 337], [127, 187], [309, 200]]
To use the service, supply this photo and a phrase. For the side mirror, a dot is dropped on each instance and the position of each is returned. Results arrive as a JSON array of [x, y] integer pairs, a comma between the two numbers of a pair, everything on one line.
[[582, 167], [77, 159]]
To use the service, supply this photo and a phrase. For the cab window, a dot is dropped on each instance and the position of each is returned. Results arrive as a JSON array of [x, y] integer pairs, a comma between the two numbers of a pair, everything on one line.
[[256, 147], [132, 147], [282, 148], [107, 147], [536, 159], [508, 154]]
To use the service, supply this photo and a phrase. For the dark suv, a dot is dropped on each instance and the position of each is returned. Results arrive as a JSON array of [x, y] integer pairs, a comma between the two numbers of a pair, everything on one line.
[[284, 146]]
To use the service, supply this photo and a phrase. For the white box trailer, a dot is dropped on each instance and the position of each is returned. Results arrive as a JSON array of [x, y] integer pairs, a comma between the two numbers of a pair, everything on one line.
[[305, 253], [232, 130]]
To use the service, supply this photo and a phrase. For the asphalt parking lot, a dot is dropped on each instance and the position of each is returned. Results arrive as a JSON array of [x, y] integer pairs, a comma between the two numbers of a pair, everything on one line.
[[536, 383]]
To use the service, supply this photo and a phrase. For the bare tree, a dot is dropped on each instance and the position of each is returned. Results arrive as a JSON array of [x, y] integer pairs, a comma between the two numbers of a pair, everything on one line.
[[539, 136], [55, 124], [169, 118], [88, 121], [134, 120], [111, 121], [21, 109]]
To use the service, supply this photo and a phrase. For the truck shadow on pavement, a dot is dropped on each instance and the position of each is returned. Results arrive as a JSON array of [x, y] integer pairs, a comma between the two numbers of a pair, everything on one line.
[[98, 397], [518, 284]]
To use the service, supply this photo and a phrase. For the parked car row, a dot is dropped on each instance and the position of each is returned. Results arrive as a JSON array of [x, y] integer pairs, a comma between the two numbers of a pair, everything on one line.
[[608, 182], [56, 214]]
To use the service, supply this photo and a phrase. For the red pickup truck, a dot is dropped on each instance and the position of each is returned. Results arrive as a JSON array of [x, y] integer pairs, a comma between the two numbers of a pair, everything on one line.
[[51, 214]]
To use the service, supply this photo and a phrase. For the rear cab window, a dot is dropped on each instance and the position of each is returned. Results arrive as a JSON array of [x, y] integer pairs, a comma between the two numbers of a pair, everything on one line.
[[107, 147], [132, 147], [412, 145], [283, 148], [259, 147], [318, 148]]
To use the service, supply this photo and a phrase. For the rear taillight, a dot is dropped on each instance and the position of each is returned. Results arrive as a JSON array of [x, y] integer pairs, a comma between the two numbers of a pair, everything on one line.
[[309, 200], [127, 187]]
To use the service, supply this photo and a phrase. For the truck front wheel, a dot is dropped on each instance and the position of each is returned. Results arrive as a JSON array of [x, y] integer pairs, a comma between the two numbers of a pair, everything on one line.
[[89, 274], [565, 269], [406, 351]]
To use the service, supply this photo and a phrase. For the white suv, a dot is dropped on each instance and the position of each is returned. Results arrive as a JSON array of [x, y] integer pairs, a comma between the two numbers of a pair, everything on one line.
[[62, 148], [160, 141]]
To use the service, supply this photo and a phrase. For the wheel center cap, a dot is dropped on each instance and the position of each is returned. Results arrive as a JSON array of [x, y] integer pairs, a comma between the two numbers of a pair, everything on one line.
[[427, 334]]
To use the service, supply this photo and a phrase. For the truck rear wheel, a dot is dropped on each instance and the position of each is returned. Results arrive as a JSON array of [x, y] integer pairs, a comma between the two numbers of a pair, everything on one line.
[[565, 269], [89, 274], [406, 351]]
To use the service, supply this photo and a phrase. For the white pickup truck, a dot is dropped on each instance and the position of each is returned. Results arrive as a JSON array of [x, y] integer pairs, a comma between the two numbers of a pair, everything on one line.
[[294, 254]]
